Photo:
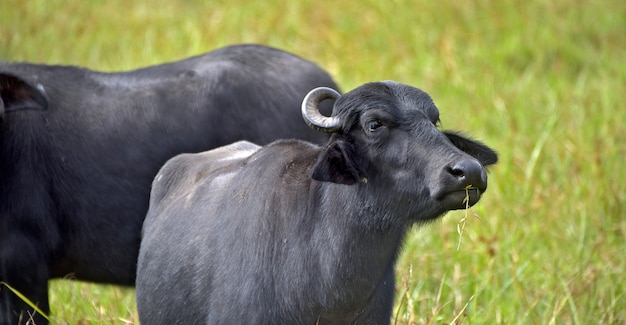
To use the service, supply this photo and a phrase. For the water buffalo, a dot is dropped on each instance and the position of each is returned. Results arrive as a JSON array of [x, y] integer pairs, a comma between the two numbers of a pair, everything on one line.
[[79, 150], [298, 233]]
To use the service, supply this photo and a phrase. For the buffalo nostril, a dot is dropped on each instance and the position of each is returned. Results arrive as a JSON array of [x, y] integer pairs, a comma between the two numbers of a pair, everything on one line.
[[456, 172], [468, 172]]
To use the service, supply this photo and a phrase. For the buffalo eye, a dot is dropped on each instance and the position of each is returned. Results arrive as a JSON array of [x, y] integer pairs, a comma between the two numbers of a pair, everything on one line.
[[373, 125]]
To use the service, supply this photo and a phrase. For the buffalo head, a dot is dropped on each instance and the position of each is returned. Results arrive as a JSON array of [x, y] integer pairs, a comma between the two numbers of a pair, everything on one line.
[[385, 135]]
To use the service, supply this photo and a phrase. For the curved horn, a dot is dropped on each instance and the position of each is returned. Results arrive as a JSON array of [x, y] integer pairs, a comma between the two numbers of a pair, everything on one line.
[[311, 112]]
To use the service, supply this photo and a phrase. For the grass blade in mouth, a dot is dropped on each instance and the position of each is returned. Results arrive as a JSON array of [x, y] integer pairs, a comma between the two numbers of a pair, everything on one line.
[[460, 226]]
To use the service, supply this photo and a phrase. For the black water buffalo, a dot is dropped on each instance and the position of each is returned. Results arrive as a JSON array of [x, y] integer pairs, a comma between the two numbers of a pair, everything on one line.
[[79, 150], [297, 233]]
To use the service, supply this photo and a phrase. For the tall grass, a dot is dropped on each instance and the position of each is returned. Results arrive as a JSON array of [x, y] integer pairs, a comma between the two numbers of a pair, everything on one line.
[[543, 82]]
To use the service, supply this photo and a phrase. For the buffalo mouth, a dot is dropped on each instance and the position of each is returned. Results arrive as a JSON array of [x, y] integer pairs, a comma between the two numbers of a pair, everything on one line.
[[461, 199]]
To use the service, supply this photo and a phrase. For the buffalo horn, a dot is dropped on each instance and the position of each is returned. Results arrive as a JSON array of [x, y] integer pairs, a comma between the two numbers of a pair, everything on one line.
[[311, 112]]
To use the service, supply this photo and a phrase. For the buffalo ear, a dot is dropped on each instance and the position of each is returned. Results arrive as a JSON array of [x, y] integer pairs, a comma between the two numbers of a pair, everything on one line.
[[338, 163], [476, 149], [17, 94]]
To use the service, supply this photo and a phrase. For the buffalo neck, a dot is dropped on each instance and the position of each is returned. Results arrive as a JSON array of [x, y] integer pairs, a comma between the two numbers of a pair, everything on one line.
[[354, 245]]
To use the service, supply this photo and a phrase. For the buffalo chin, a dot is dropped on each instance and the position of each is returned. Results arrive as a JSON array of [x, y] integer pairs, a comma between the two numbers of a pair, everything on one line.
[[460, 199]]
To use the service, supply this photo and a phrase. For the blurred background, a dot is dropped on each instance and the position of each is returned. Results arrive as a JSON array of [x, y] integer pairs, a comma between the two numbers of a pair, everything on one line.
[[543, 82]]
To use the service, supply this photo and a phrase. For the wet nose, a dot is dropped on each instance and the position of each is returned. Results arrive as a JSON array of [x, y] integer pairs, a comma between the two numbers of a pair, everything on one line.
[[468, 172]]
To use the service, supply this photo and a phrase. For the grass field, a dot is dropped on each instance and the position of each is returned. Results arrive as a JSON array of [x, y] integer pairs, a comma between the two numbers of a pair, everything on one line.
[[543, 82]]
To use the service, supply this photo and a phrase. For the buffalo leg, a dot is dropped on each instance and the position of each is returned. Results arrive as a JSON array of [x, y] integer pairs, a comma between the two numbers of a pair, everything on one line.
[[24, 269]]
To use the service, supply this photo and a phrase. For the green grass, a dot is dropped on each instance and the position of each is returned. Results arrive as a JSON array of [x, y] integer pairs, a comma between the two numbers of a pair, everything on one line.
[[543, 82]]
